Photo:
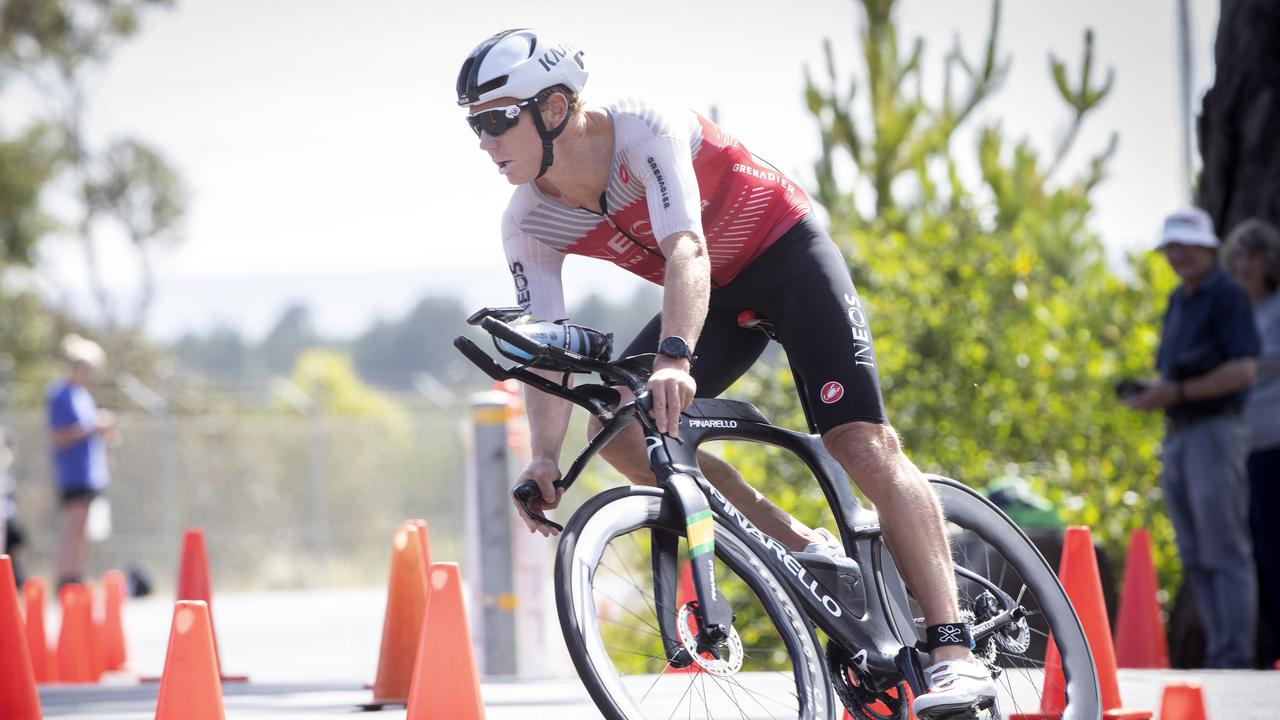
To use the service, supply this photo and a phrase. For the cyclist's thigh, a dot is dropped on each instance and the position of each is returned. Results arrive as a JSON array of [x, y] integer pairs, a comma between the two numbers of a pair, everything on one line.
[[824, 328], [725, 351]]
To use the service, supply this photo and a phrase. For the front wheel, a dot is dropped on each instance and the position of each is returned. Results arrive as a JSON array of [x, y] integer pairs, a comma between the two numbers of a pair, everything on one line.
[[605, 595], [1040, 658]]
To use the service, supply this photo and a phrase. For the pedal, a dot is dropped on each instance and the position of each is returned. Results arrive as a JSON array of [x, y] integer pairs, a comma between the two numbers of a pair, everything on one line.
[[965, 713], [980, 710]]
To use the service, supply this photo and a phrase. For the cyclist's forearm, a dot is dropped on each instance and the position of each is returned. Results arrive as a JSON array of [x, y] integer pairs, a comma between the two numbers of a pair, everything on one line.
[[687, 286], [548, 419]]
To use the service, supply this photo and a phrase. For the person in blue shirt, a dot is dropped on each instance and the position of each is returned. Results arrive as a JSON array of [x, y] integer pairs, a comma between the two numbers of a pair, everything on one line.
[[1207, 362], [77, 430]]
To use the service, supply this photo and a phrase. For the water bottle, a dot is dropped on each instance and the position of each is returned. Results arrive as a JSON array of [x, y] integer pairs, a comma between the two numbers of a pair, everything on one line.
[[579, 339]]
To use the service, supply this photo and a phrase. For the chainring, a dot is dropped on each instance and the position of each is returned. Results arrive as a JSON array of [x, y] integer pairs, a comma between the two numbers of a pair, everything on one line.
[[861, 702]]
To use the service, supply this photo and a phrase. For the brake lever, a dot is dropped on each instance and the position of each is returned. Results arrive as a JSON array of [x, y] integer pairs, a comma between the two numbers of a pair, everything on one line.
[[525, 493]]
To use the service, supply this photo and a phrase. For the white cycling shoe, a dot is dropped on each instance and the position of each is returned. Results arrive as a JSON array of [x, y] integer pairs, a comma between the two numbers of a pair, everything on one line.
[[829, 545], [957, 689]]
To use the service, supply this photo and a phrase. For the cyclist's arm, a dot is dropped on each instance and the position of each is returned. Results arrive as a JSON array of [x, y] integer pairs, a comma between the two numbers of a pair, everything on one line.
[[686, 286], [665, 164], [535, 270]]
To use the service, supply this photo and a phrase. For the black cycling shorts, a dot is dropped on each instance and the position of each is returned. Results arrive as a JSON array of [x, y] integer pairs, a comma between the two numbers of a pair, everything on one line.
[[78, 494], [801, 283]]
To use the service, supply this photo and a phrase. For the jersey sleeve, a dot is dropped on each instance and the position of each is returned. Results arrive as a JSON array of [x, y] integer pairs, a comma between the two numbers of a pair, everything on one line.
[[535, 270], [62, 410], [664, 163]]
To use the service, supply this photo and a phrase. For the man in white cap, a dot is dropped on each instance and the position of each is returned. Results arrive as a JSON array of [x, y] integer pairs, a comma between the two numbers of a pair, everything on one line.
[[1206, 362], [77, 429]]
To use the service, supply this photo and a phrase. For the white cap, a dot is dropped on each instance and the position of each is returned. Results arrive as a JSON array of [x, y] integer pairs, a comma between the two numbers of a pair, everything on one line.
[[1191, 226], [82, 350]]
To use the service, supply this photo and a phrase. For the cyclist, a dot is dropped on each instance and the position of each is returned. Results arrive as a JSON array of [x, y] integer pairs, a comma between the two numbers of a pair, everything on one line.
[[675, 199]]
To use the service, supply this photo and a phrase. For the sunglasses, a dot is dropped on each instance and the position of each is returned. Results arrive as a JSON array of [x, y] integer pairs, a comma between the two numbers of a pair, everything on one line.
[[496, 121]]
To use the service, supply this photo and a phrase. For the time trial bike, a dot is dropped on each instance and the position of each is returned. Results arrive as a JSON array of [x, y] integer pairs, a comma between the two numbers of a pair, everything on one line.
[[749, 629]]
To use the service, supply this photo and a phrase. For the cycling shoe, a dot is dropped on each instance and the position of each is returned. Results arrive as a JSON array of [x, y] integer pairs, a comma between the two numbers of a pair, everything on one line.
[[957, 689]]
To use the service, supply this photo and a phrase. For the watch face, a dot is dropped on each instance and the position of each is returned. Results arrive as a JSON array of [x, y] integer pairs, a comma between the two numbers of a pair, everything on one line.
[[674, 347]]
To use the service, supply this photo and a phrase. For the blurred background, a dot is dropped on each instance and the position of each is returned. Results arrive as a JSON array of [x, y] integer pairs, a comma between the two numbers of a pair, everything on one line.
[[274, 220]]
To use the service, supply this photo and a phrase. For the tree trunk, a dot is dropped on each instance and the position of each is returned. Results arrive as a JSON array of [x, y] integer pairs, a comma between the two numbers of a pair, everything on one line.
[[1239, 124]]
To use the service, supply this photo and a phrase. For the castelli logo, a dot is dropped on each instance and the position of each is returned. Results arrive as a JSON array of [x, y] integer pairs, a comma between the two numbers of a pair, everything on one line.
[[623, 175], [832, 392]]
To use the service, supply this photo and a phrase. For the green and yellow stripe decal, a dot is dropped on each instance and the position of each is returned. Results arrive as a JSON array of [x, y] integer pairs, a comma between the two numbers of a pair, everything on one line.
[[702, 533]]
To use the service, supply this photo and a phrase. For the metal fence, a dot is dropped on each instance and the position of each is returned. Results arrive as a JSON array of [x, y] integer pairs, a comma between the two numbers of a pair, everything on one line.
[[284, 500]]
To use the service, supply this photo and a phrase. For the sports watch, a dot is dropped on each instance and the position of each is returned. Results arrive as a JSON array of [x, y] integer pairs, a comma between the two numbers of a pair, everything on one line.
[[676, 347]]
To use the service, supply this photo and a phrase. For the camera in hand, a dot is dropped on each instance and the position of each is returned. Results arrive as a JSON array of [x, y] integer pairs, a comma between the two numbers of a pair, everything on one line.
[[1129, 387]]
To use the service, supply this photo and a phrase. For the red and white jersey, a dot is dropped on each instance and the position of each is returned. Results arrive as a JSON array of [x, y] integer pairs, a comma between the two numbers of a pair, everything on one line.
[[671, 172]]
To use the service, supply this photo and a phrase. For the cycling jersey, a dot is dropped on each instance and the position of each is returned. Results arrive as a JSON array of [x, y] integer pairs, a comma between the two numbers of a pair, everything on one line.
[[801, 284], [671, 172]]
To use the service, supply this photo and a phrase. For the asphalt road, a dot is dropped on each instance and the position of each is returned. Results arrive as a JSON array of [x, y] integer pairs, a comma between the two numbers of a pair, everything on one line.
[[311, 653]]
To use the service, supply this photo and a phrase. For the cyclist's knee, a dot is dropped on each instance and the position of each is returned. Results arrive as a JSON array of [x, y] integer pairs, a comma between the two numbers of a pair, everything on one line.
[[868, 451]]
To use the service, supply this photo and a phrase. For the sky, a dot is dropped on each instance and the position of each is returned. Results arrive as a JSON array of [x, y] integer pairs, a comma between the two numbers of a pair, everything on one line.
[[328, 164]]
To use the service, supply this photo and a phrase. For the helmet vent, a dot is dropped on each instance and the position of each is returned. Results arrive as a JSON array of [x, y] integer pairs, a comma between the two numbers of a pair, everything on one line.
[[493, 84]]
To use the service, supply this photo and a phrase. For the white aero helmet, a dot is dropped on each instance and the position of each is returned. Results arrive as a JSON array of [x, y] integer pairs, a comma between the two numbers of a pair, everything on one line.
[[518, 64]]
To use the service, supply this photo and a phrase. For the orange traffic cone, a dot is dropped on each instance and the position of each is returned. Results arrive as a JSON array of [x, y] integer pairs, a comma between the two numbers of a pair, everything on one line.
[[424, 538], [75, 637], [194, 584], [43, 661], [1140, 639], [190, 687], [97, 634], [402, 623], [446, 685], [113, 587], [18, 694], [1182, 701], [1079, 574]]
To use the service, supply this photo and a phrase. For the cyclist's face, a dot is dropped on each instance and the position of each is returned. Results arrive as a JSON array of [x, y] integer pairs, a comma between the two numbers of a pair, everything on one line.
[[515, 150]]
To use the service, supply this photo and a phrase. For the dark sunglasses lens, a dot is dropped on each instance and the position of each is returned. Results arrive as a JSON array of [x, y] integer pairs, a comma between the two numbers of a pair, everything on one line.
[[494, 122]]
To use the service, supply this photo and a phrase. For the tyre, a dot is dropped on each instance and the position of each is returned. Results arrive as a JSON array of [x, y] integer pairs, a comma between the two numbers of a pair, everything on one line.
[[999, 569], [772, 666]]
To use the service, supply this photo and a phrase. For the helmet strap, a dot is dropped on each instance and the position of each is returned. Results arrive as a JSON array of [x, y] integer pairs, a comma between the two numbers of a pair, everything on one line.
[[548, 137]]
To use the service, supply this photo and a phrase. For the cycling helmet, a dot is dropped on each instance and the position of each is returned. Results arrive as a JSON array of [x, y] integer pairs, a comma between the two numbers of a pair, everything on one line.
[[520, 64]]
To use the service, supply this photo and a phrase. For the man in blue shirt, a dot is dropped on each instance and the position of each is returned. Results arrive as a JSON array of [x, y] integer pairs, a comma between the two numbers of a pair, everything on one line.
[[77, 429], [1207, 361]]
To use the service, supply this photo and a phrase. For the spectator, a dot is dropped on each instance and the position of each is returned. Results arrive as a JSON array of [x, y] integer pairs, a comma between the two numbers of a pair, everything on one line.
[[1252, 255], [77, 430], [11, 535], [1206, 363]]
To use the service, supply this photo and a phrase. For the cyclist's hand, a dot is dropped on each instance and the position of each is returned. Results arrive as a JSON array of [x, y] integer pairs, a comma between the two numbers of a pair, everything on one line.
[[672, 389], [544, 472]]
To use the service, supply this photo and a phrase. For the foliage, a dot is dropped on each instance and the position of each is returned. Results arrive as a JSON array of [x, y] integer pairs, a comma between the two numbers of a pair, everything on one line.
[[26, 164], [54, 48], [1000, 331], [328, 379], [394, 353]]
